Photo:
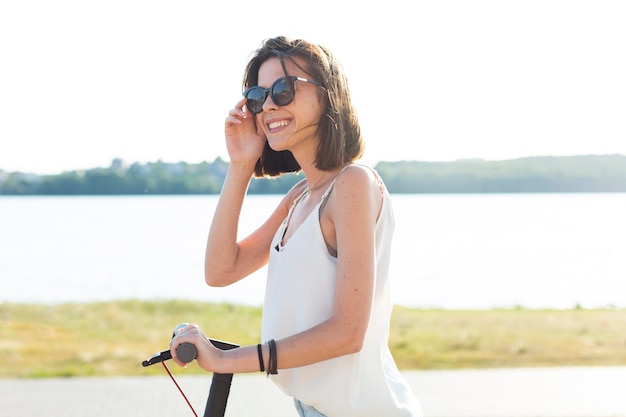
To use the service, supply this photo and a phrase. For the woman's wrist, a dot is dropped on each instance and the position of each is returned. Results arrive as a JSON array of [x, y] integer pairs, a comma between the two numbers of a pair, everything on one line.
[[242, 360], [245, 166], [239, 174]]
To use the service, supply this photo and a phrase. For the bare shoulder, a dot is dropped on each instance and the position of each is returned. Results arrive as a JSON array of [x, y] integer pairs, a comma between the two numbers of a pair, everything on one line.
[[358, 179], [357, 190], [352, 207]]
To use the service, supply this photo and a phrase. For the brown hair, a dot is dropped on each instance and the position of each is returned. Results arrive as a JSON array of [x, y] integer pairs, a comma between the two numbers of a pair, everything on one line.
[[341, 140]]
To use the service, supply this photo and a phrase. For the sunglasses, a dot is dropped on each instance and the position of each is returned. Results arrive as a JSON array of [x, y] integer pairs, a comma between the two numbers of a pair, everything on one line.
[[282, 92]]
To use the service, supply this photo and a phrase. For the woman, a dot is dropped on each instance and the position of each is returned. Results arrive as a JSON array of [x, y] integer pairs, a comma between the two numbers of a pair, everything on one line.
[[327, 304]]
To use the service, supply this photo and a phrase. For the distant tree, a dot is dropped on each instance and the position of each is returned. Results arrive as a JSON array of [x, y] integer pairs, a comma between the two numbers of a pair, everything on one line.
[[593, 173]]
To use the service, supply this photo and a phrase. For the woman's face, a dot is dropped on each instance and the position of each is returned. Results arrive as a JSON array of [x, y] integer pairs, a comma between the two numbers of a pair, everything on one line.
[[295, 126]]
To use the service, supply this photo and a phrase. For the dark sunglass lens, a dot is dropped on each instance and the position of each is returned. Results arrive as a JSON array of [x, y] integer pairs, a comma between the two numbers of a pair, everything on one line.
[[282, 92], [255, 98]]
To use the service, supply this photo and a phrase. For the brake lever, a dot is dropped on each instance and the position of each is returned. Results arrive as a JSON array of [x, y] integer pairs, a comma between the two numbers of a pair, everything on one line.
[[157, 358]]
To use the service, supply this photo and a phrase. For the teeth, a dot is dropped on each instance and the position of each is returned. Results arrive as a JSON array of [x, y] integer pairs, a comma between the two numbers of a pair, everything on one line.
[[281, 123]]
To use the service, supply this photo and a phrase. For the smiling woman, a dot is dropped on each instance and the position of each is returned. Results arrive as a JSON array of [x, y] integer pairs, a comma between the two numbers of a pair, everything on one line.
[[327, 245]]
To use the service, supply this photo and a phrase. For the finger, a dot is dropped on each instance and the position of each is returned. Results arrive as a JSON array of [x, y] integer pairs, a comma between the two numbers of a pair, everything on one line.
[[236, 116], [180, 328], [191, 328], [240, 103], [237, 111], [233, 120]]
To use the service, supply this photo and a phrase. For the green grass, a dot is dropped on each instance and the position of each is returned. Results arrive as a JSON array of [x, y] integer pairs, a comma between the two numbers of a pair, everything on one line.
[[112, 338], [439, 339]]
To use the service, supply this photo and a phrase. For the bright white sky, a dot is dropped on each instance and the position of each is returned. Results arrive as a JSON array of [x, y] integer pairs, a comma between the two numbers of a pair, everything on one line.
[[83, 82]]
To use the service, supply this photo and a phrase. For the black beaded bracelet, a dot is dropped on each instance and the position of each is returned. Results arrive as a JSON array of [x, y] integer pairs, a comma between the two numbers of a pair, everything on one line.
[[272, 367], [259, 349]]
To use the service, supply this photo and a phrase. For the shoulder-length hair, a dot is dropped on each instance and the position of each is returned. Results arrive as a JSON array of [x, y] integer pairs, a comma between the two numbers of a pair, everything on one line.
[[341, 140]]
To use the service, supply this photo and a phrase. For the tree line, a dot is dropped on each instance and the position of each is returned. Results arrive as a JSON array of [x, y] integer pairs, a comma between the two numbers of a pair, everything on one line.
[[588, 173]]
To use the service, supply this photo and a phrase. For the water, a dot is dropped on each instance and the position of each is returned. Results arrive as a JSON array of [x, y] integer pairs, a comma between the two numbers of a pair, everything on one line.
[[450, 251]]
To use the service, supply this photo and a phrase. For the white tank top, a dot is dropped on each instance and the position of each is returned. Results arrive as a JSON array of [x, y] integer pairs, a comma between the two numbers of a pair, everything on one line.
[[299, 295]]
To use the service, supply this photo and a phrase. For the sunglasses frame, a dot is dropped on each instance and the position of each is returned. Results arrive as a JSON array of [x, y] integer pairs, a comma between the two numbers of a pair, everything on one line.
[[270, 91]]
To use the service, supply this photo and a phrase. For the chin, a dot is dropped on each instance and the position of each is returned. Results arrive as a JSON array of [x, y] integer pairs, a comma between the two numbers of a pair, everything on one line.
[[277, 145]]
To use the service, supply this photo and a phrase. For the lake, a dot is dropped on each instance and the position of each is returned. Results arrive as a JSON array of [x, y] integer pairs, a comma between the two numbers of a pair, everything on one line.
[[454, 251]]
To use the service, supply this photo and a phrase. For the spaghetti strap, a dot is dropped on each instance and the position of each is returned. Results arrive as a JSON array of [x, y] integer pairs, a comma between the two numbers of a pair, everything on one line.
[[324, 199], [330, 186], [287, 220]]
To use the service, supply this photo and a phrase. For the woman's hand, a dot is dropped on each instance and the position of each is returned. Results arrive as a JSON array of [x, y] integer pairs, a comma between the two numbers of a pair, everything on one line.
[[207, 354], [244, 140]]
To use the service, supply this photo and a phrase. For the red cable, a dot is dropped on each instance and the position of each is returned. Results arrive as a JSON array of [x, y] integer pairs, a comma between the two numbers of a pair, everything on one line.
[[179, 389]]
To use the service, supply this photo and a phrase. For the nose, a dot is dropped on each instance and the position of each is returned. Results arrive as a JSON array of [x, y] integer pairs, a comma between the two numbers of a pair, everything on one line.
[[269, 104]]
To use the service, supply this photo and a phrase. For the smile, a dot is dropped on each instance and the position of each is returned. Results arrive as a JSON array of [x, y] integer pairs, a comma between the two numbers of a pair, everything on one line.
[[276, 125]]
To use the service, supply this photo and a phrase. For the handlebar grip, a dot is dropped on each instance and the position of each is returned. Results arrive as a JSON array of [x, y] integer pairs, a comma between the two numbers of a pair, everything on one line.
[[186, 352]]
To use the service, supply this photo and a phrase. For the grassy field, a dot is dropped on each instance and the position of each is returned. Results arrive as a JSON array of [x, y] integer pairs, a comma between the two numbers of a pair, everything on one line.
[[112, 338]]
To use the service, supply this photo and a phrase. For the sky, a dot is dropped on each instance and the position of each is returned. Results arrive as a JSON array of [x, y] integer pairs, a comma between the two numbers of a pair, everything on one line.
[[83, 82]]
